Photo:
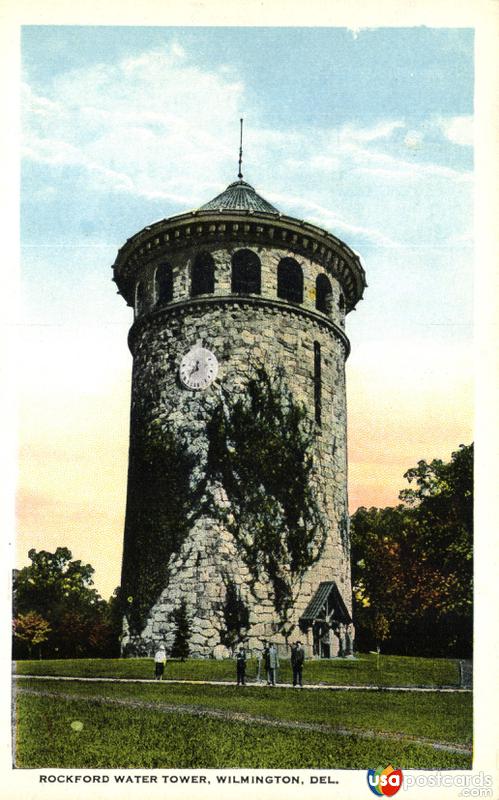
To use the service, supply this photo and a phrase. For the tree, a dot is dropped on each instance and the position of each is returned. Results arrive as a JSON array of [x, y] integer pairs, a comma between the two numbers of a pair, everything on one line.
[[261, 453], [61, 591], [52, 580], [180, 647], [105, 636], [413, 564], [33, 629], [443, 506], [382, 555]]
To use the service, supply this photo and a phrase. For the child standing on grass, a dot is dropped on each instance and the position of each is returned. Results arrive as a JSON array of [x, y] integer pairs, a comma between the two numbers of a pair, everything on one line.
[[159, 662]]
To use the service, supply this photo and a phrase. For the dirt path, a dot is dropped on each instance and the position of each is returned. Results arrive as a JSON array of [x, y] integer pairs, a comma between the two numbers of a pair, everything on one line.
[[308, 686], [248, 719]]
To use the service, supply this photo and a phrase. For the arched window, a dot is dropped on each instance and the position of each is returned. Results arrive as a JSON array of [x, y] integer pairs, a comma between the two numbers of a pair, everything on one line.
[[290, 280], [203, 275], [341, 302], [323, 292], [163, 284], [246, 272], [139, 299]]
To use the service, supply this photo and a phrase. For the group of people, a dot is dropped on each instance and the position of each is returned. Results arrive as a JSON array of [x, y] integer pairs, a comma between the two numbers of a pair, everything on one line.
[[270, 662], [344, 634]]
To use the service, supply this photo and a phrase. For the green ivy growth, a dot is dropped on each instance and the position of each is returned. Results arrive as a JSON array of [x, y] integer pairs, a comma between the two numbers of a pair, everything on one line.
[[235, 616], [260, 450], [160, 512]]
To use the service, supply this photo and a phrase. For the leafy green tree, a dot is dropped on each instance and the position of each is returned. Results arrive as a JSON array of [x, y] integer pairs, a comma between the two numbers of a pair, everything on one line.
[[33, 629], [180, 647], [379, 545], [413, 563], [106, 635], [52, 580], [443, 502], [443, 505], [61, 591], [261, 452]]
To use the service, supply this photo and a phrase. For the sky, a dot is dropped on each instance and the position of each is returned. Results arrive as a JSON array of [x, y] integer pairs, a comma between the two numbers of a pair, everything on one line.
[[368, 133]]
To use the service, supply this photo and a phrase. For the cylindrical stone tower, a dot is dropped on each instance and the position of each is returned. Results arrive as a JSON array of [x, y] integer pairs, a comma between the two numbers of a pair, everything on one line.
[[221, 295]]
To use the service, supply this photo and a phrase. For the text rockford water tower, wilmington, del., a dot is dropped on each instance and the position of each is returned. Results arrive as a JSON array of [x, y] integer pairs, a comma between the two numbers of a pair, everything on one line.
[[237, 479]]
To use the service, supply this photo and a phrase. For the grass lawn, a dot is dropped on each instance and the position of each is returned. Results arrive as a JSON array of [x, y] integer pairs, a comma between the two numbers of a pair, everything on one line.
[[113, 737], [366, 669], [440, 717]]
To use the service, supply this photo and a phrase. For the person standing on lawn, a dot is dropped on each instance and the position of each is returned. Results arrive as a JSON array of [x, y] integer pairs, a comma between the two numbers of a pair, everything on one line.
[[159, 662], [241, 666], [297, 659], [273, 664], [265, 660]]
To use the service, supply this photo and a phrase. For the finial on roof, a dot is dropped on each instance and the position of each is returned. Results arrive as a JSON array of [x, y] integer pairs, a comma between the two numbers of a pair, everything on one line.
[[240, 174]]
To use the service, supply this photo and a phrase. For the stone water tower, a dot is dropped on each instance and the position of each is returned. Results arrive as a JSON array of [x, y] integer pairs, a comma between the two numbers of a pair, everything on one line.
[[219, 293]]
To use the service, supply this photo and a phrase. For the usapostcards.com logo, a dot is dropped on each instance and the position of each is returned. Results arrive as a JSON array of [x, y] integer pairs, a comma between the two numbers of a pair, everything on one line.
[[384, 782]]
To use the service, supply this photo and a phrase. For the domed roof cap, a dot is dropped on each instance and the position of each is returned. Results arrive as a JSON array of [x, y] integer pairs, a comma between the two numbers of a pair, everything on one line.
[[239, 196]]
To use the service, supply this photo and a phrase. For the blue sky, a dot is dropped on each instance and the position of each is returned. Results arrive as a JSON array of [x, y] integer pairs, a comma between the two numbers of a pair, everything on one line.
[[367, 133], [364, 132]]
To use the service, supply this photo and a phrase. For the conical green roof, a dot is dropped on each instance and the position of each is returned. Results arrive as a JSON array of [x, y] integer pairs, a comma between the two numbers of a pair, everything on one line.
[[239, 196]]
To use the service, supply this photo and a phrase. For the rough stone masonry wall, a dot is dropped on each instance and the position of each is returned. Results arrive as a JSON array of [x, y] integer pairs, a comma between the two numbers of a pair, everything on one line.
[[242, 337]]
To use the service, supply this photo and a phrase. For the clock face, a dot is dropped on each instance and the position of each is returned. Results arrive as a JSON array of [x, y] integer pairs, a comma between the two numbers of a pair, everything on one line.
[[198, 368]]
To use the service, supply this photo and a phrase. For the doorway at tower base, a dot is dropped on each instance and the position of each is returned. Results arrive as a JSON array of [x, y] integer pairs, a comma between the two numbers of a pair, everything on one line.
[[327, 623]]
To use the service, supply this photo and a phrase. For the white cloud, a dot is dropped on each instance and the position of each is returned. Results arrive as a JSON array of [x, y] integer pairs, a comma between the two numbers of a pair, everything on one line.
[[158, 127], [386, 166], [327, 163], [458, 130], [382, 130], [355, 32], [177, 50], [326, 218], [360, 150], [152, 125], [413, 140]]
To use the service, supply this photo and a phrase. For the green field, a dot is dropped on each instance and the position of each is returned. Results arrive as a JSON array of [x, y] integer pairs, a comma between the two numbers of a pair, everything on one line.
[[154, 729], [364, 670], [175, 725]]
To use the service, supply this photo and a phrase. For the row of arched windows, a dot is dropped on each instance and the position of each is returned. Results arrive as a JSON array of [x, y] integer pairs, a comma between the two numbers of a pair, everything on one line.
[[245, 279]]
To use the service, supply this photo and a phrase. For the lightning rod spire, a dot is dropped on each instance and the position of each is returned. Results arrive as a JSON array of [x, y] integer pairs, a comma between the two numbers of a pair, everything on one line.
[[240, 174]]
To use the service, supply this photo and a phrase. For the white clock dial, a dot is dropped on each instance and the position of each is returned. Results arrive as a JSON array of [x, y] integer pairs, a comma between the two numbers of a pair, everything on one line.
[[198, 368]]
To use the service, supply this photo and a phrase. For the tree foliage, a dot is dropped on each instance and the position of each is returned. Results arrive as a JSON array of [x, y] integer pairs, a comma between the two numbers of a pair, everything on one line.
[[52, 579], [180, 647], [261, 452], [412, 564], [161, 507], [33, 629], [60, 590]]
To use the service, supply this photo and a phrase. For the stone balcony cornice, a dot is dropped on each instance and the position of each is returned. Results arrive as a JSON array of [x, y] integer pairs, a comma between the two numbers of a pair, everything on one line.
[[182, 307], [242, 228]]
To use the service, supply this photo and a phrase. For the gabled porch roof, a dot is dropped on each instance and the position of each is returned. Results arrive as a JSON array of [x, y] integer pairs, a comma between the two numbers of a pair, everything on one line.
[[327, 604]]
